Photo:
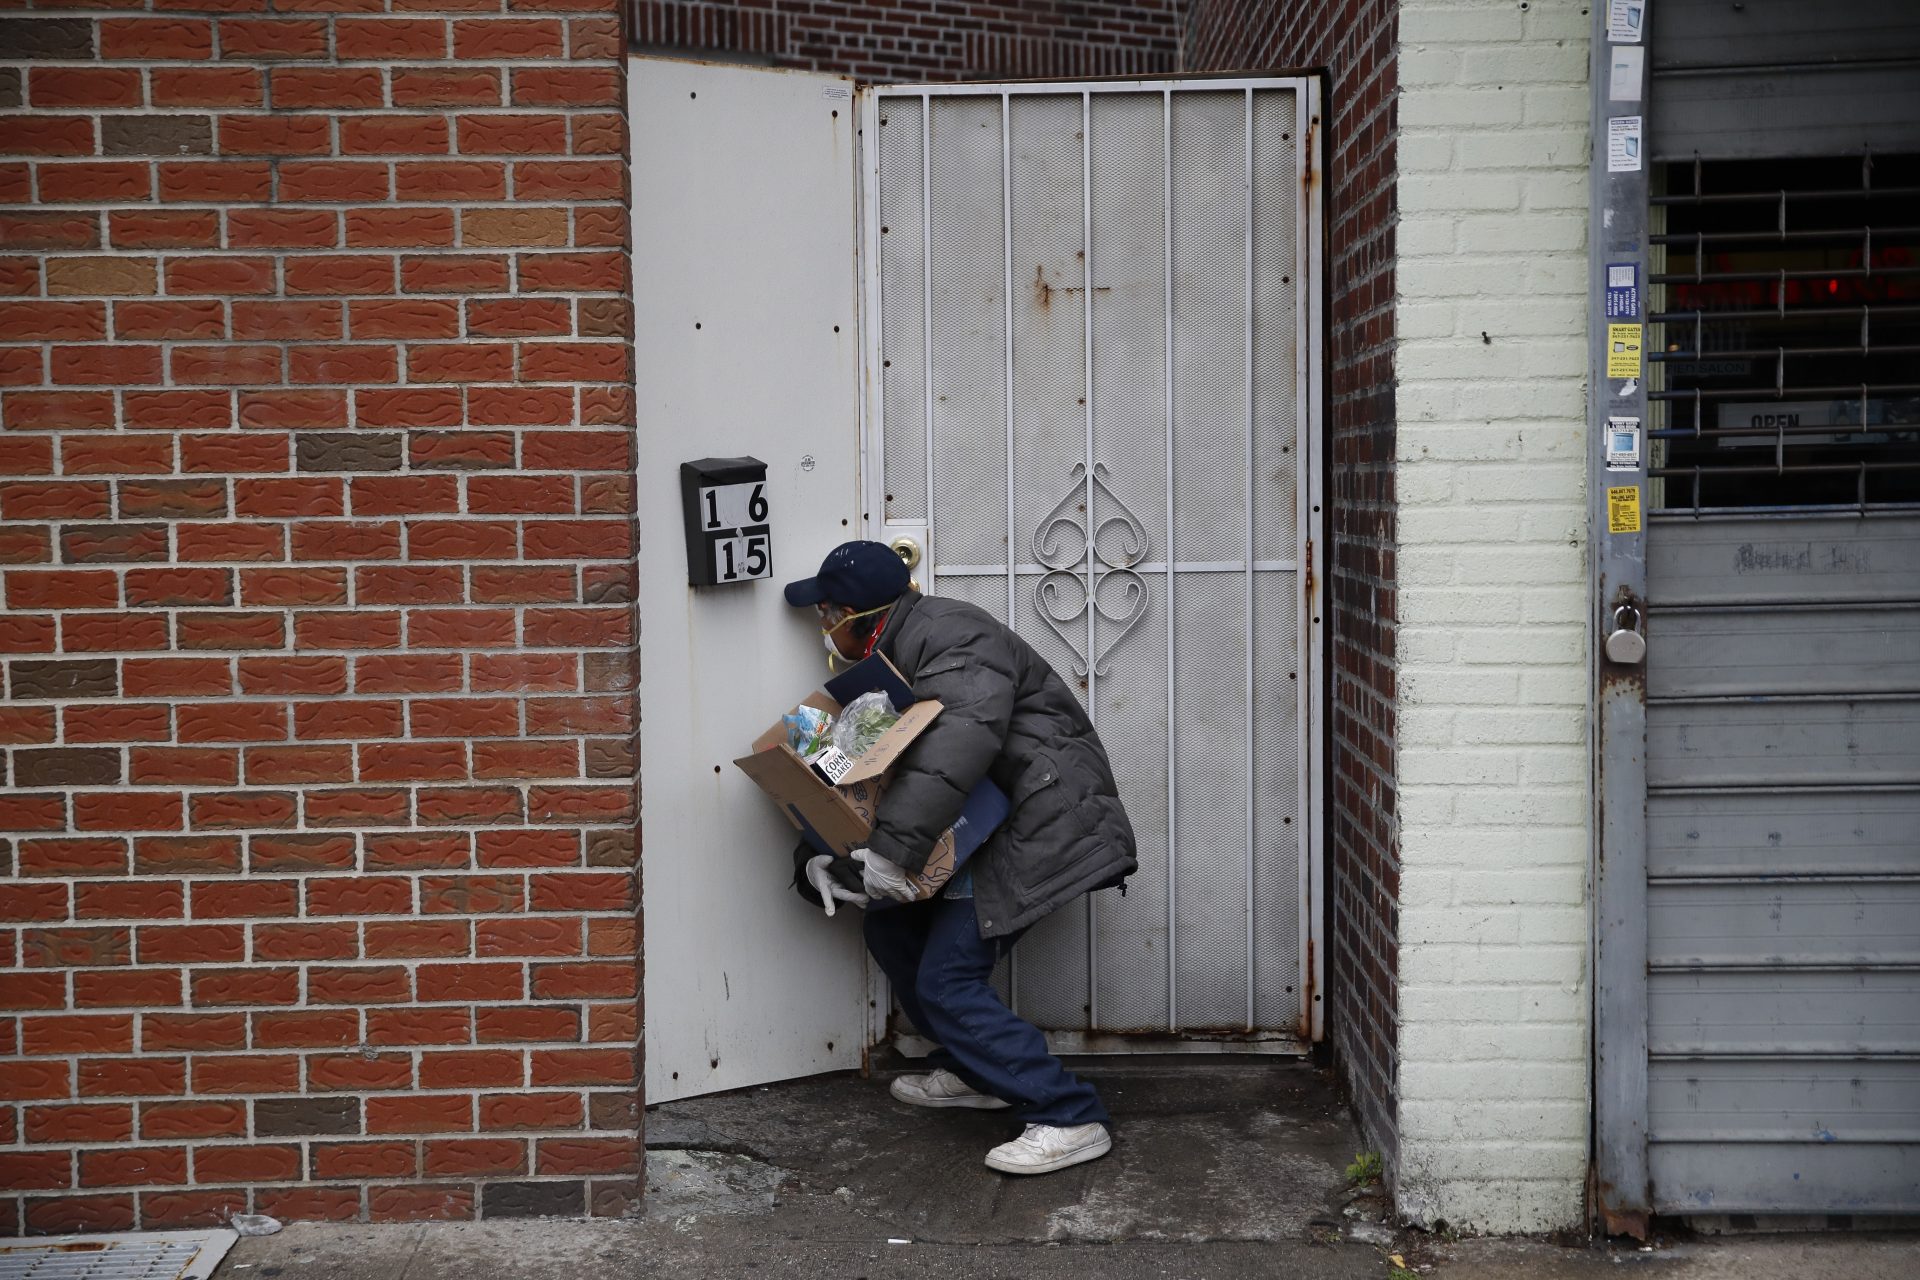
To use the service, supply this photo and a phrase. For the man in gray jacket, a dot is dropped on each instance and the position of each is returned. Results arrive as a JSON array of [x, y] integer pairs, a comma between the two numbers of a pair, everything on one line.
[[1010, 718]]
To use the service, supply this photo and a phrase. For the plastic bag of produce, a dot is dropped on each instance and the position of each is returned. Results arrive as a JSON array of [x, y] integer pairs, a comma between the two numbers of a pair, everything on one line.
[[862, 721], [808, 730]]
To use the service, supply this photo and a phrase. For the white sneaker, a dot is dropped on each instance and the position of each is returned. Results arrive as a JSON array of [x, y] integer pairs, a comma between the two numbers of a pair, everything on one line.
[[1044, 1148], [941, 1088]]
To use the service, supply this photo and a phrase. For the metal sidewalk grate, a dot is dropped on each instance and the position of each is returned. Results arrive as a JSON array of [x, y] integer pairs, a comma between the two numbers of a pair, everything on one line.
[[173, 1255]]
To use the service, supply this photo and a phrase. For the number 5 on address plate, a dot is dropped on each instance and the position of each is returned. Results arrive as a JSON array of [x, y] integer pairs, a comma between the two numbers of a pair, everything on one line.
[[738, 559]]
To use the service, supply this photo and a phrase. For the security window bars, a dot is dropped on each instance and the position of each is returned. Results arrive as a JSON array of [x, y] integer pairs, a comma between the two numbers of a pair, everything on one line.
[[1785, 345]]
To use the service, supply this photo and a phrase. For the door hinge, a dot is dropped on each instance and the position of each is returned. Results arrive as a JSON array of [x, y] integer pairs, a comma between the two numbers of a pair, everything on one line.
[[1306, 580]]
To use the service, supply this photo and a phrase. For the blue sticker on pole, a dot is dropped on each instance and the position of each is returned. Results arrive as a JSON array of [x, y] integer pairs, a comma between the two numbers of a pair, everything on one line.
[[1623, 290]]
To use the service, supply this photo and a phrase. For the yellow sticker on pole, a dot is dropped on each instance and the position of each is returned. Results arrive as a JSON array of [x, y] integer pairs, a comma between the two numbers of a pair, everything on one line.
[[1623, 509], [1623, 351]]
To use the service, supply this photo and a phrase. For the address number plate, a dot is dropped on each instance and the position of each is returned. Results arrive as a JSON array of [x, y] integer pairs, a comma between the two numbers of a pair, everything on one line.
[[742, 558], [734, 518], [733, 506]]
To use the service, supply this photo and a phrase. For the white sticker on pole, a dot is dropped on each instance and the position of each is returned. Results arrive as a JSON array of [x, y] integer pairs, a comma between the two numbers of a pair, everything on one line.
[[1625, 20], [1627, 69], [1623, 444], [1623, 144]]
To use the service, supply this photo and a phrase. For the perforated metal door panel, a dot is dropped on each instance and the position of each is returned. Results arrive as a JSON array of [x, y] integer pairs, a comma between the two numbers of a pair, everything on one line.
[[1091, 325]]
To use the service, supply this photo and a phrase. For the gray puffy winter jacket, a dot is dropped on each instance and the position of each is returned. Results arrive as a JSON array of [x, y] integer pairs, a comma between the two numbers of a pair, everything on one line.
[[1011, 718]]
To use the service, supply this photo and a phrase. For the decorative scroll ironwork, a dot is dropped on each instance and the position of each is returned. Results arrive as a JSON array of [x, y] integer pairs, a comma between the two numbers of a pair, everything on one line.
[[1106, 551]]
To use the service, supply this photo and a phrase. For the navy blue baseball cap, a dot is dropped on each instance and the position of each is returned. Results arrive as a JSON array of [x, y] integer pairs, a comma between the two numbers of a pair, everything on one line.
[[862, 575]]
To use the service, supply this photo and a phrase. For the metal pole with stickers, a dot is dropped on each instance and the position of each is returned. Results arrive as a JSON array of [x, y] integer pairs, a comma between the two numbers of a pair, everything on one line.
[[1617, 465]]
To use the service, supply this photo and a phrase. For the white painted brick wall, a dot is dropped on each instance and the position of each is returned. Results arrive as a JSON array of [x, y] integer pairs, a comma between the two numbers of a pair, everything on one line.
[[1491, 279]]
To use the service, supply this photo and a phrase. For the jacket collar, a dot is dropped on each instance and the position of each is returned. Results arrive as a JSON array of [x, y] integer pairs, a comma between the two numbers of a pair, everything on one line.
[[890, 632]]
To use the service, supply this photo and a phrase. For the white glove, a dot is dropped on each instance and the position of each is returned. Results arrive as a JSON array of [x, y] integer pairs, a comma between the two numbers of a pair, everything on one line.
[[827, 887], [882, 879]]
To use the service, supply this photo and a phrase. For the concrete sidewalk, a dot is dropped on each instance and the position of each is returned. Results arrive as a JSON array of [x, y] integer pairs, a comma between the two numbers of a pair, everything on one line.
[[552, 1250], [1223, 1168]]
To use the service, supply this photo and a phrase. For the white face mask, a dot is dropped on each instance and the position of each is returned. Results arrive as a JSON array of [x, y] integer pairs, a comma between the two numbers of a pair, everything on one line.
[[826, 634]]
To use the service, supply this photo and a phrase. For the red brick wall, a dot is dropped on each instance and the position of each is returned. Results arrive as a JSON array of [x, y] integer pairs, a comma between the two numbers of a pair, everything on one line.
[[315, 525], [1354, 40], [888, 41]]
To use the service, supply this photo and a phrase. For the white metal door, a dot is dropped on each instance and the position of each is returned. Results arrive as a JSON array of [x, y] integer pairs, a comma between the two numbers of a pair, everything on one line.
[[1093, 383], [745, 342]]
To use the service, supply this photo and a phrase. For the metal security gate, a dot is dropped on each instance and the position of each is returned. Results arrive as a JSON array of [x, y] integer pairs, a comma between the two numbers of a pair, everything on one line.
[[1092, 406], [1783, 861], [1758, 979]]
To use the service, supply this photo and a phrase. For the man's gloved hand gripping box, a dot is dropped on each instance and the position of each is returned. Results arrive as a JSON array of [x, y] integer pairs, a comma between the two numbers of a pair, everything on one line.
[[832, 802]]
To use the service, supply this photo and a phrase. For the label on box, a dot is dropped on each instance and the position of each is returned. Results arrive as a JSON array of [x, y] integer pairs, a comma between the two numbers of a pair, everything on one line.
[[832, 764]]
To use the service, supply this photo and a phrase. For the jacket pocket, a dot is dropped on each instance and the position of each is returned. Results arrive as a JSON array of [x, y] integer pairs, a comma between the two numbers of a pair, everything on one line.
[[1042, 823], [1042, 772]]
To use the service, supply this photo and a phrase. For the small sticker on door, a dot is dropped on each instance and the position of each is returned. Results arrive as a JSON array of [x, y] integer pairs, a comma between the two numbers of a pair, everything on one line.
[[1623, 351], [837, 92], [1623, 509]]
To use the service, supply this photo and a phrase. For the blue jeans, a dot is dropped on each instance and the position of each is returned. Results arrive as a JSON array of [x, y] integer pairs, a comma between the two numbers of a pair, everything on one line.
[[940, 968]]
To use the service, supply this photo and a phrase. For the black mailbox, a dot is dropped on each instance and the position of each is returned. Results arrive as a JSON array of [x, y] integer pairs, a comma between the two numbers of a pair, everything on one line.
[[729, 539]]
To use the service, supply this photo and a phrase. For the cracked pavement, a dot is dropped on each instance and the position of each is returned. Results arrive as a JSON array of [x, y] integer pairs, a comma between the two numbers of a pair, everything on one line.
[[1222, 1169]]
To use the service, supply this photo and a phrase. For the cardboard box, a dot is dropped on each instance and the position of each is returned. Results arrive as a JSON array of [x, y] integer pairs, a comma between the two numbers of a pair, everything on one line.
[[833, 805]]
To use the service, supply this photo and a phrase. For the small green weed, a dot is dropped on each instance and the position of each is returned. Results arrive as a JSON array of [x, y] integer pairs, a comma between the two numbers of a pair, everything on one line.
[[1402, 1273], [1365, 1169]]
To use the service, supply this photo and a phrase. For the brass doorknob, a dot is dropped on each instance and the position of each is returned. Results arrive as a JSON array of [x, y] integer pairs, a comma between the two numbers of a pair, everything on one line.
[[908, 550]]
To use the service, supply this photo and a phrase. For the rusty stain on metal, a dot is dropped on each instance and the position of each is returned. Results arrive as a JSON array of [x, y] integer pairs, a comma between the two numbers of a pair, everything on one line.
[[1307, 997], [1309, 172], [1624, 1222], [1637, 1223], [1043, 291]]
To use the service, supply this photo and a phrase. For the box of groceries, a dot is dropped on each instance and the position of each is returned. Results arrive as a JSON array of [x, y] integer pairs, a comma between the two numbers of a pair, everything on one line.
[[825, 763]]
